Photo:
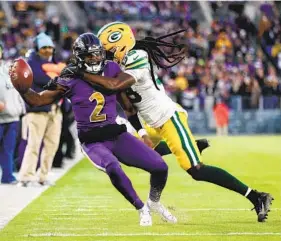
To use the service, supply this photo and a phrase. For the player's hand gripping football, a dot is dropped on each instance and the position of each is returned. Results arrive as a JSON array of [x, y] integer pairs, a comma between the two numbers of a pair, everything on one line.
[[12, 69], [14, 77]]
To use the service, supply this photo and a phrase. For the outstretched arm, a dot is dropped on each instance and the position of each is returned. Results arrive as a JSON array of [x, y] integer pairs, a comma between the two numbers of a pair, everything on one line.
[[33, 98], [121, 82], [45, 97]]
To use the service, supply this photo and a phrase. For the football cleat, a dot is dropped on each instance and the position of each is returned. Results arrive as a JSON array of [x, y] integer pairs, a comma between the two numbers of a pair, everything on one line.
[[145, 216], [202, 144], [28, 184], [46, 183], [262, 206], [165, 214], [23, 183]]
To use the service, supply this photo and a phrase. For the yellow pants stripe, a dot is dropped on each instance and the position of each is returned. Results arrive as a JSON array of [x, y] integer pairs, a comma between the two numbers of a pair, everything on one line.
[[185, 140], [190, 136], [182, 137], [180, 140], [193, 145]]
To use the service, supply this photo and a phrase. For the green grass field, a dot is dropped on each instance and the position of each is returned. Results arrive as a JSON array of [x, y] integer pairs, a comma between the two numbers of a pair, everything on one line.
[[84, 206]]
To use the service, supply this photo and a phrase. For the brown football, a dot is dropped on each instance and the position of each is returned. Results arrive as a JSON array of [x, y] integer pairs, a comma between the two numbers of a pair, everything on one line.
[[21, 75]]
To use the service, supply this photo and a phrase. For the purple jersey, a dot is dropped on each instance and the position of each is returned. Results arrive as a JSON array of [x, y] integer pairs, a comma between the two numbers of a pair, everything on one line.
[[91, 107]]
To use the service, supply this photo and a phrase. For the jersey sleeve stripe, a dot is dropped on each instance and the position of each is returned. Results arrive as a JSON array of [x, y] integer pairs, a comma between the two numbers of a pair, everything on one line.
[[158, 81], [139, 61], [138, 66]]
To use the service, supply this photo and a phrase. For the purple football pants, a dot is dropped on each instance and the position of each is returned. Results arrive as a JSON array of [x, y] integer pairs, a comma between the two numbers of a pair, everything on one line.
[[132, 152]]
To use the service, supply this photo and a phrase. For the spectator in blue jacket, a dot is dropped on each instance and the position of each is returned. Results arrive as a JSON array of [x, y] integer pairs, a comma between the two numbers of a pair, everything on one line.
[[43, 123], [11, 108]]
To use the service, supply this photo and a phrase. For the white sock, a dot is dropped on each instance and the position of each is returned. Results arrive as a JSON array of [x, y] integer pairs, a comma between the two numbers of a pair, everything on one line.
[[248, 191]]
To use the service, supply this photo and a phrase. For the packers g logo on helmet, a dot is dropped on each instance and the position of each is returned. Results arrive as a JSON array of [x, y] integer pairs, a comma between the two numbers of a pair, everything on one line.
[[114, 37], [118, 38]]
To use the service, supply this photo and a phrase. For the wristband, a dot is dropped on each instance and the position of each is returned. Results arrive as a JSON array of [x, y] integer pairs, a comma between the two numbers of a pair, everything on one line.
[[142, 132]]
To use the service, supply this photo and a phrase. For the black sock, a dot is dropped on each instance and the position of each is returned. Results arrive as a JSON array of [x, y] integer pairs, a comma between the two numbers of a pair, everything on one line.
[[219, 177], [157, 183], [162, 148], [253, 196]]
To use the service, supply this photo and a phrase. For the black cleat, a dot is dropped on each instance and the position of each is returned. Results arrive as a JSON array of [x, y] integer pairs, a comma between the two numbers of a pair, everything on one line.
[[202, 144], [262, 206]]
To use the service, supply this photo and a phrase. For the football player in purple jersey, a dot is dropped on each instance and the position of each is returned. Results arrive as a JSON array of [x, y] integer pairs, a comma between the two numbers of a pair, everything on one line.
[[103, 141]]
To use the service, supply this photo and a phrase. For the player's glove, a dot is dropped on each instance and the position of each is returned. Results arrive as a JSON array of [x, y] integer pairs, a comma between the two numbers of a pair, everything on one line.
[[72, 71], [51, 85]]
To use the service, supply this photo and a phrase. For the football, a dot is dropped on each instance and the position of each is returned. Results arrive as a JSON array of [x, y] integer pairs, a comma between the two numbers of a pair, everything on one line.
[[21, 75]]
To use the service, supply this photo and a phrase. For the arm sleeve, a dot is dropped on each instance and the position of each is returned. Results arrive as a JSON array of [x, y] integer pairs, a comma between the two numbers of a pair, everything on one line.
[[65, 82], [135, 122]]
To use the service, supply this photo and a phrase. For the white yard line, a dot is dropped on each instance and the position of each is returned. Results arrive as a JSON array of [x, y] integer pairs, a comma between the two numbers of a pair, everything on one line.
[[77, 204], [62, 198], [68, 229], [14, 199], [72, 214], [58, 211], [53, 234], [201, 209], [76, 218]]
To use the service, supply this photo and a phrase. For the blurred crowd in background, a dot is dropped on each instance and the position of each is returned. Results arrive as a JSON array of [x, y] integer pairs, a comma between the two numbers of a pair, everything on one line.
[[234, 56]]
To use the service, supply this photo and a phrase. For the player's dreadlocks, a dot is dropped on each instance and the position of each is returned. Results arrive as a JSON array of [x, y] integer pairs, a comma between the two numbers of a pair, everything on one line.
[[152, 47]]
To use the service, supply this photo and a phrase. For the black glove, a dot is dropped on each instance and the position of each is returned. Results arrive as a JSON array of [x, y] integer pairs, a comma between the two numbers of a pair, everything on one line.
[[51, 85], [71, 71]]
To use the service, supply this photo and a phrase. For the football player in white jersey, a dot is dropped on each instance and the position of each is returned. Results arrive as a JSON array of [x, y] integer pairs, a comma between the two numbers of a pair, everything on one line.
[[168, 119]]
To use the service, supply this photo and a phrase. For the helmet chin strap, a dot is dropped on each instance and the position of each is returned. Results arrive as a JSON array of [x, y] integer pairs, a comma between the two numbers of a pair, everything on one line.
[[93, 68]]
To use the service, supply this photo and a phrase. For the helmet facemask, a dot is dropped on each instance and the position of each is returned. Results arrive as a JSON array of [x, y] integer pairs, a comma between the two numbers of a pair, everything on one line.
[[93, 60]]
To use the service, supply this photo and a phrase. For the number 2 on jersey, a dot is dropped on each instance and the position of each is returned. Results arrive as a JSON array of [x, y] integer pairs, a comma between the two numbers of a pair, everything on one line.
[[96, 116]]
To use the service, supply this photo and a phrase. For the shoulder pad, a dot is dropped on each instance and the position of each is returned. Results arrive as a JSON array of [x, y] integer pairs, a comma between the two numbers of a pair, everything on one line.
[[136, 59]]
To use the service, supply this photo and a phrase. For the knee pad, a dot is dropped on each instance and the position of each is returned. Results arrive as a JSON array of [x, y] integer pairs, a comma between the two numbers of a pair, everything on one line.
[[196, 172]]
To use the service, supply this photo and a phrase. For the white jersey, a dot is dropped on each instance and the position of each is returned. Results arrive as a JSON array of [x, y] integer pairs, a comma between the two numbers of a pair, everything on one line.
[[154, 105]]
